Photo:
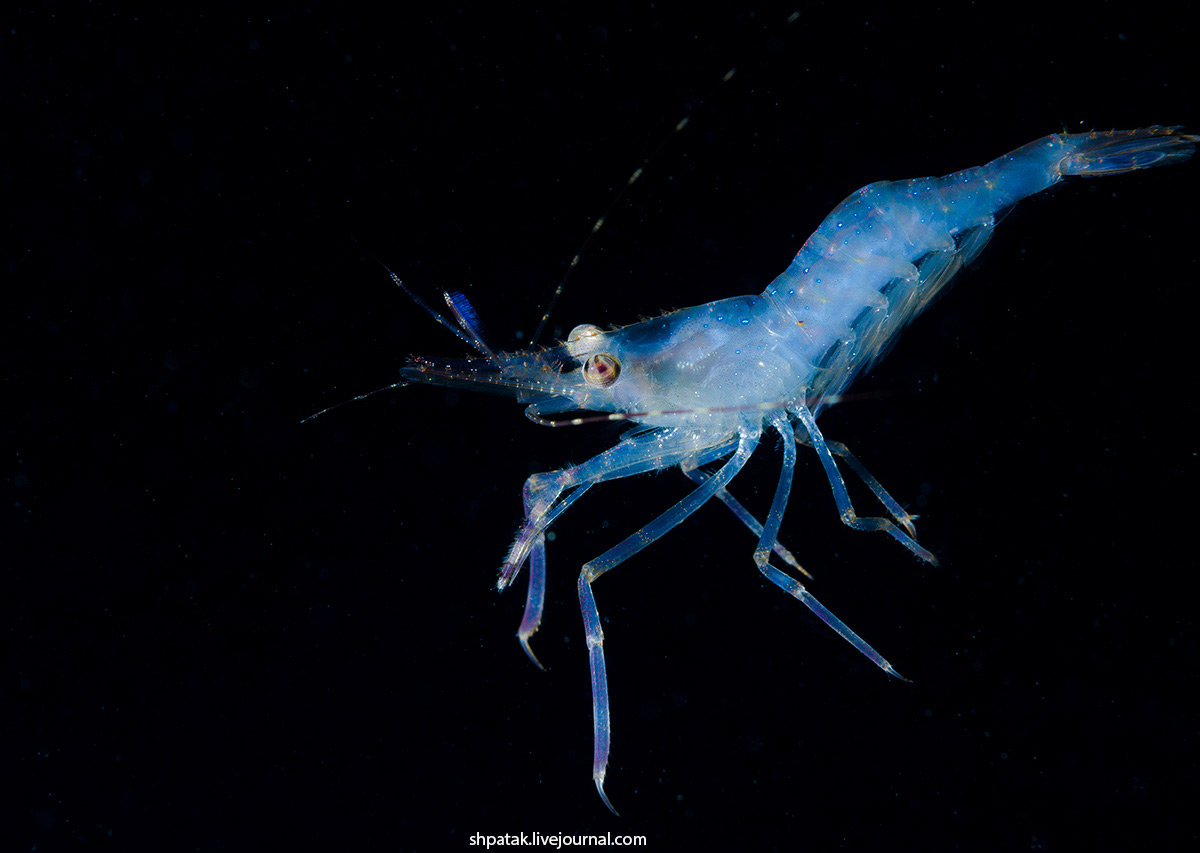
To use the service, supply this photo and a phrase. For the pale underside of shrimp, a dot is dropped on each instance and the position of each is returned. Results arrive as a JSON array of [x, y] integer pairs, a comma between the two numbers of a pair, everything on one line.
[[703, 384]]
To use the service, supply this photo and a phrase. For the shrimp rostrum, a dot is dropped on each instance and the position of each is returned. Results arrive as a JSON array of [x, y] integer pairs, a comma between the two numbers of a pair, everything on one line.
[[703, 384]]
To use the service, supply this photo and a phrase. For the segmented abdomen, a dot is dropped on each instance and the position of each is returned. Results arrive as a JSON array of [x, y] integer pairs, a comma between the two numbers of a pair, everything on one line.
[[885, 252]]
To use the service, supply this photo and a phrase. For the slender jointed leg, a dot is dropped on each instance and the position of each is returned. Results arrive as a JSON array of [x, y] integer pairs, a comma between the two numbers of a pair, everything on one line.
[[743, 515], [601, 728], [543, 493], [770, 530], [532, 543], [903, 517], [535, 598], [842, 498], [544, 502], [790, 585], [797, 590]]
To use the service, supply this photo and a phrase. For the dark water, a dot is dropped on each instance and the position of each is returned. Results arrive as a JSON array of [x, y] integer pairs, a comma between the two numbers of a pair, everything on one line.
[[226, 630]]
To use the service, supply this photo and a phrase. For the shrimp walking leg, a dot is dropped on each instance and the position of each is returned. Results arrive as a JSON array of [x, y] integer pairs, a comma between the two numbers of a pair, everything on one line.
[[544, 502], [775, 514], [846, 509], [798, 591], [745, 517], [790, 585], [601, 724], [533, 542], [903, 517], [535, 598], [693, 472], [543, 493]]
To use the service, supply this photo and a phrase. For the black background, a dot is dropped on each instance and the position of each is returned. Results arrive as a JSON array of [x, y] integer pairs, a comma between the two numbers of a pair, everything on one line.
[[225, 630]]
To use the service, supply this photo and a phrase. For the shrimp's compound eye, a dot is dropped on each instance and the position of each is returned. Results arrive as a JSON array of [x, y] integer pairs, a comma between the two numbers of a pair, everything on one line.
[[584, 340], [601, 369]]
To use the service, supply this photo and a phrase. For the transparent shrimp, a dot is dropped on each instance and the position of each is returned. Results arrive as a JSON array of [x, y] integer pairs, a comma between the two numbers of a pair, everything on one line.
[[703, 383]]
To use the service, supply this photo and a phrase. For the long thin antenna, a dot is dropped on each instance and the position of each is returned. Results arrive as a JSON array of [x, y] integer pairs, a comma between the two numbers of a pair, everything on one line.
[[471, 333], [471, 327], [391, 387], [637, 173]]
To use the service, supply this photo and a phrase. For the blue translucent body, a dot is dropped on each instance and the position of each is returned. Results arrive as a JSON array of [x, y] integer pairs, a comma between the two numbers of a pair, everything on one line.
[[706, 382]]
